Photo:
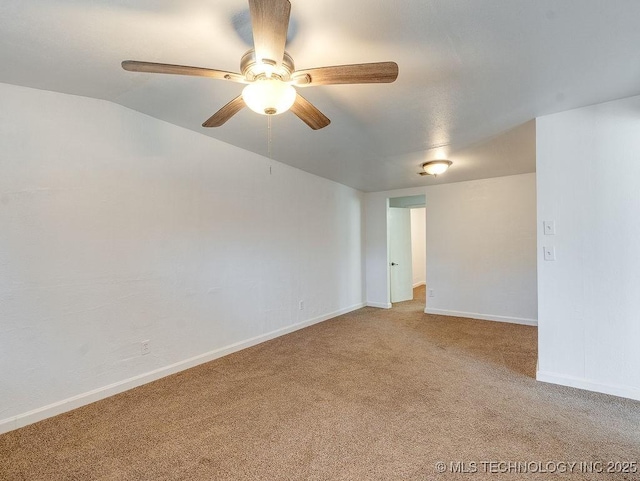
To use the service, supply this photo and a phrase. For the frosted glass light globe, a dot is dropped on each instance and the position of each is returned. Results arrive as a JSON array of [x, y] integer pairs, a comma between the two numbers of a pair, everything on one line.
[[436, 167], [269, 96]]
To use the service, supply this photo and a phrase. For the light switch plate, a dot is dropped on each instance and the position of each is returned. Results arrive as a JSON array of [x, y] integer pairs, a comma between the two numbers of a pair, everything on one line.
[[549, 253], [549, 227]]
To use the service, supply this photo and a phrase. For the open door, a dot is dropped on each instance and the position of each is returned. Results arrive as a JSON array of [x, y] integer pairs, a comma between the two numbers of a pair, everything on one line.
[[400, 268]]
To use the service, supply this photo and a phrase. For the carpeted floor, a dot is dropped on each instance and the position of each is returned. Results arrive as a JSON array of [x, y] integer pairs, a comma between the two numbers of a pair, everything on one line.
[[375, 394]]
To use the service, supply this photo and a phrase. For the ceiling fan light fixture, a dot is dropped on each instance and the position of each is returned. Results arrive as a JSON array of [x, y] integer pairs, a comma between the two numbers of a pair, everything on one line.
[[269, 96], [436, 167], [269, 72]]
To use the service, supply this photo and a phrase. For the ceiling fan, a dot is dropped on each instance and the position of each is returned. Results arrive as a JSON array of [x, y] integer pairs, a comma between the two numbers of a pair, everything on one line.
[[269, 73]]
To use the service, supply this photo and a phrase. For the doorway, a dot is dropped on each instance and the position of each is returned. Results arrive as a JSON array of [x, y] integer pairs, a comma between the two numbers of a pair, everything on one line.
[[406, 232]]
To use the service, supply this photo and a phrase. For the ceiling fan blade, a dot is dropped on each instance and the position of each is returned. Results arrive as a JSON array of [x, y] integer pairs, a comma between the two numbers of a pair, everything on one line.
[[309, 114], [225, 113], [150, 67], [270, 22], [362, 73]]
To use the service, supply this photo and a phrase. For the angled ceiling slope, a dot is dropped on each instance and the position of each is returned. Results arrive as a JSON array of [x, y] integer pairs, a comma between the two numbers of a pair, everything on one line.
[[473, 74]]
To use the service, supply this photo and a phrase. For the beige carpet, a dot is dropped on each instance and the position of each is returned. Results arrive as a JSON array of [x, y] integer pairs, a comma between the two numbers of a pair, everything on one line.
[[375, 394]]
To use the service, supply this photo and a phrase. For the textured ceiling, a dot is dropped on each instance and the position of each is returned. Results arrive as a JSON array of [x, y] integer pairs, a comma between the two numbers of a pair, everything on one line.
[[473, 74]]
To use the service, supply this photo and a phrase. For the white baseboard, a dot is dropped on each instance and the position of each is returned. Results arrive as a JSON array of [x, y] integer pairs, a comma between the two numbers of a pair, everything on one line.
[[379, 305], [484, 317], [89, 397], [418, 284], [587, 385]]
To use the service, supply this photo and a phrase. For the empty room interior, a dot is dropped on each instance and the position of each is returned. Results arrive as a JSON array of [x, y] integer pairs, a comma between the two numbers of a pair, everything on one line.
[[294, 240]]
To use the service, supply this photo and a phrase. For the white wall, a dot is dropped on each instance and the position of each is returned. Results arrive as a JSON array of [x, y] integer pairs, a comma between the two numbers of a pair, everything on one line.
[[481, 256], [116, 228], [588, 164], [418, 245], [481, 248]]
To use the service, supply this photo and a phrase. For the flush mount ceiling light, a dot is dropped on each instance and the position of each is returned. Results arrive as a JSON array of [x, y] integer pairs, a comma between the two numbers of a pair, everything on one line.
[[269, 96], [435, 167]]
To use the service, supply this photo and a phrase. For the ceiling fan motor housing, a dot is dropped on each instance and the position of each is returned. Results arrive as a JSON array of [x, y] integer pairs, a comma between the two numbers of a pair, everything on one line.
[[252, 68]]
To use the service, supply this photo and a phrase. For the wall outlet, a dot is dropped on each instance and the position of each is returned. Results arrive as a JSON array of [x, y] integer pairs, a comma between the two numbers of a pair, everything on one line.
[[301, 305], [144, 347], [431, 293]]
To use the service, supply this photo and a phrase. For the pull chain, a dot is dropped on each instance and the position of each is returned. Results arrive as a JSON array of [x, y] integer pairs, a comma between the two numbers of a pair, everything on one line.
[[269, 140], [269, 136]]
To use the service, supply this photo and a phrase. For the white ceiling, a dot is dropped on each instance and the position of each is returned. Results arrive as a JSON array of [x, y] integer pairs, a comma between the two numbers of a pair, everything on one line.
[[473, 74]]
